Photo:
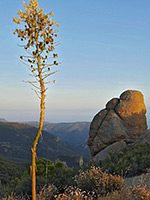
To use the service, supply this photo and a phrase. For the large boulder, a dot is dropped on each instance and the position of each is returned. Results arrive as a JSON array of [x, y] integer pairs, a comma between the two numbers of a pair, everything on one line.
[[113, 148], [123, 119]]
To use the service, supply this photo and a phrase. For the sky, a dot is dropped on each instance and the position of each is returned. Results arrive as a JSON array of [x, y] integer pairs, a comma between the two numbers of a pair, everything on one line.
[[104, 50]]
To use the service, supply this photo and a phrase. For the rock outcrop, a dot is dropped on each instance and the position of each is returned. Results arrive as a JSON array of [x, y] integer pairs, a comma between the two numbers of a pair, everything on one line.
[[121, 123]]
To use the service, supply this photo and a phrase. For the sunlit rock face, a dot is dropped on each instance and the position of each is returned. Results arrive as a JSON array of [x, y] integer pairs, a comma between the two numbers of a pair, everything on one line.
[[121, 123]]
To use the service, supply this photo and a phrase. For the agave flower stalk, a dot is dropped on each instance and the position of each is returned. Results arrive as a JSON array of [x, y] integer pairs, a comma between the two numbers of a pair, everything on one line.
[[37, 37]]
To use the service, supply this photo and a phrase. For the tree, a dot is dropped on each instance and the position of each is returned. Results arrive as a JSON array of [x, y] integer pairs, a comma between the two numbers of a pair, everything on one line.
[[37, 36]]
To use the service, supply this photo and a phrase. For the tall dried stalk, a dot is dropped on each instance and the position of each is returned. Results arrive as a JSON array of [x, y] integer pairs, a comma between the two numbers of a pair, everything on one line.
[[37, 36]]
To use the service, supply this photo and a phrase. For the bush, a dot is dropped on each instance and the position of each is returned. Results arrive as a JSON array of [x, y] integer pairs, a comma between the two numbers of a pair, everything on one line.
[[74, 193], [55, 174], [138, 192], [101, 183], [132, 161]]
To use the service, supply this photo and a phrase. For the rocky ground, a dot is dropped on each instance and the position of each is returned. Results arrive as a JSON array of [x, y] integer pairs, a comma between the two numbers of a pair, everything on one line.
[[142, 180]]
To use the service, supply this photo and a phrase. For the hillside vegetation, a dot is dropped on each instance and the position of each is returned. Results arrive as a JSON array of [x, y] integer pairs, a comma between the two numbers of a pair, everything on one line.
[[103, 181], [132, 161], [11, 169], [73, 133], [16, 140]]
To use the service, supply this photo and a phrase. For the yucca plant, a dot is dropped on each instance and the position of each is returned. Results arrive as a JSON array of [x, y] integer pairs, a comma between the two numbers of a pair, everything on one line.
[[37, 36]]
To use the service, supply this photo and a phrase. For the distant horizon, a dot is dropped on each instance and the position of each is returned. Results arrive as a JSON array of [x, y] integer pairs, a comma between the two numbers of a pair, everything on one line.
[[2, 118], [56, 122]]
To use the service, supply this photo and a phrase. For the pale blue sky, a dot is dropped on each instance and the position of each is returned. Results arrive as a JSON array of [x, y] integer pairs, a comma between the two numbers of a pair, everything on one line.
[[104, 50]]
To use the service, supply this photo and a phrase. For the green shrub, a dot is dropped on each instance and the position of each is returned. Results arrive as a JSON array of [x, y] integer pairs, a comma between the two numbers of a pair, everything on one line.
[[55, 174], [134, 160]]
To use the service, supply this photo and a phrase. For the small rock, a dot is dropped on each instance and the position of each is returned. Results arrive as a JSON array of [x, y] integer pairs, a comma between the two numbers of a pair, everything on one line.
[[112, 104]]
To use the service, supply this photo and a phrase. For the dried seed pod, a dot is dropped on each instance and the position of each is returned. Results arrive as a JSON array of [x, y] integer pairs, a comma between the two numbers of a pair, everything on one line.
[[29, 60], [55, 55]]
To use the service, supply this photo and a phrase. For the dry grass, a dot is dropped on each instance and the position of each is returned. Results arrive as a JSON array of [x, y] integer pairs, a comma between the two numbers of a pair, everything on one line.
[[139, 191], [46, 193], [12, 196], [136, 193], [101, 183]]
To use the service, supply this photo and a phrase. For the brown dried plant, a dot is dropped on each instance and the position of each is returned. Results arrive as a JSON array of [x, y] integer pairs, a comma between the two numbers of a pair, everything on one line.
[[37, 36]]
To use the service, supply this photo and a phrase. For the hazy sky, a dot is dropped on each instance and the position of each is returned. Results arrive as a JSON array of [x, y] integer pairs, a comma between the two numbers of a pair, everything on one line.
[[104, 50]]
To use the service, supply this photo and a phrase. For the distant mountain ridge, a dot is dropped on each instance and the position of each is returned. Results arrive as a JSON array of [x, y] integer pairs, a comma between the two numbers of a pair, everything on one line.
[[16, 140], [3, 120], [73, 132]]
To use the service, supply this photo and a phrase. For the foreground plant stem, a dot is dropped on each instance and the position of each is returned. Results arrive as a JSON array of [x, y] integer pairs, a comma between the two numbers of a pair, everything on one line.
[[42, 108]]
